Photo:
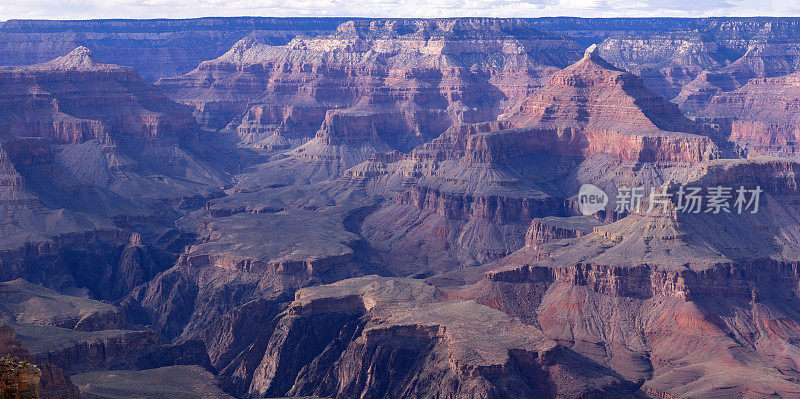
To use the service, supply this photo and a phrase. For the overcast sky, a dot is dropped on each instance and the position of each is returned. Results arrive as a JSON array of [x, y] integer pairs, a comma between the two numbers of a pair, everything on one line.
[[84, 9]]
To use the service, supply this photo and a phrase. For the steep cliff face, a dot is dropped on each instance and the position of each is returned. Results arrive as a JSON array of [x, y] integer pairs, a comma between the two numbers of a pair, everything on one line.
[[643, 295], [762, 113], [737, 94], [468, 213], [228, 243], [713, 320], [374, 345], [586, 109], [679, 311], [762, 60], [279, 127], [96, 259], [75, 98], [592, 107], [597, 95], [43, 381], [548, 229], [89, 151], [111, 349], [430, 72], [240, 272], [706, 56], [219, 308], [665, 62], [19, 379], [488, 179], [68, 334], [13, 184], [156, 48], [383, 85], [657, 148], [697, 241]]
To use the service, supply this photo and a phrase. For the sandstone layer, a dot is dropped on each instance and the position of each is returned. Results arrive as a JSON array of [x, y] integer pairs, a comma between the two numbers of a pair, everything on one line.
[[389, 208], [43, 381], [156, 47], [400, 330], [491, 179]]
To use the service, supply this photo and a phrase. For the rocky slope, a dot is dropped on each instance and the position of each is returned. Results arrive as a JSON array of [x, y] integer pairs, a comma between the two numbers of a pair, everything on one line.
[[65, 334], [244, 250], [32, 304], [174, 381], [692, 59], [762, 60], [499, 176], [88, 152], [548, 229], [606, 104], [711, 70], [156, 48], [762, 114], [397, 83], [643, 294], [241, 271], [393, 337], [46, 379], [75, 98], [112, 128]]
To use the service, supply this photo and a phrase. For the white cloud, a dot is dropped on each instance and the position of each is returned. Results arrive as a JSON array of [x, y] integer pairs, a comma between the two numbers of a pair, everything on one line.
[[85, 9]]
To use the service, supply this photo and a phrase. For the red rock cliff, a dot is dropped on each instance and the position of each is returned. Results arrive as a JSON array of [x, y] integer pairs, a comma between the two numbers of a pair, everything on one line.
[[74, 98]]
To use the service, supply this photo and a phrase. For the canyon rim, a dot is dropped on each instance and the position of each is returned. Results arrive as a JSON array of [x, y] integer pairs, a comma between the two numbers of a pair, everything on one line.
[[370, 207]]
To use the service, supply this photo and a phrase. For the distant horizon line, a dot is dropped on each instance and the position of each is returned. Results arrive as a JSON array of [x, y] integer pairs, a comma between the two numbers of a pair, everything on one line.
[[393, 18]]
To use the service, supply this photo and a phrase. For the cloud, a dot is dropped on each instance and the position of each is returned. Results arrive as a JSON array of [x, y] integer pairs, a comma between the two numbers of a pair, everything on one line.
[[87, 9]]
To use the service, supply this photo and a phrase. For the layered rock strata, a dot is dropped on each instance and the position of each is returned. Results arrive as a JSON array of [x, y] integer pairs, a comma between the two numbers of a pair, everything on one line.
[[75, 98], [373, 334], [666, 285], [155, 47], [20, 376], [19, 379], [488, 180], [762, 113], [398, 83]]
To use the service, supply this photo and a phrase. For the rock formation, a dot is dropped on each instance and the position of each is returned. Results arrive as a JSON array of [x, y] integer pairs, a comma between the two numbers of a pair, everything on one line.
[[605, 104], [156, 48], [762, 114], [397, 83], [21, 377], [391, 208], [668, 271], [693, 59], [393, 337], [545, 230], [488, 185], [74, 98], [175, 381], [32, 304], [80, 140]]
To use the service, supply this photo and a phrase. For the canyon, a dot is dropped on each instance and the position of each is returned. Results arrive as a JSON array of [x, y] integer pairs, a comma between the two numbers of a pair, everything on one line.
[[333, 207]]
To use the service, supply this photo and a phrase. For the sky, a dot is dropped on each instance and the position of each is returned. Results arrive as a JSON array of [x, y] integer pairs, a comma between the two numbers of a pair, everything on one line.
[[91, 9]]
